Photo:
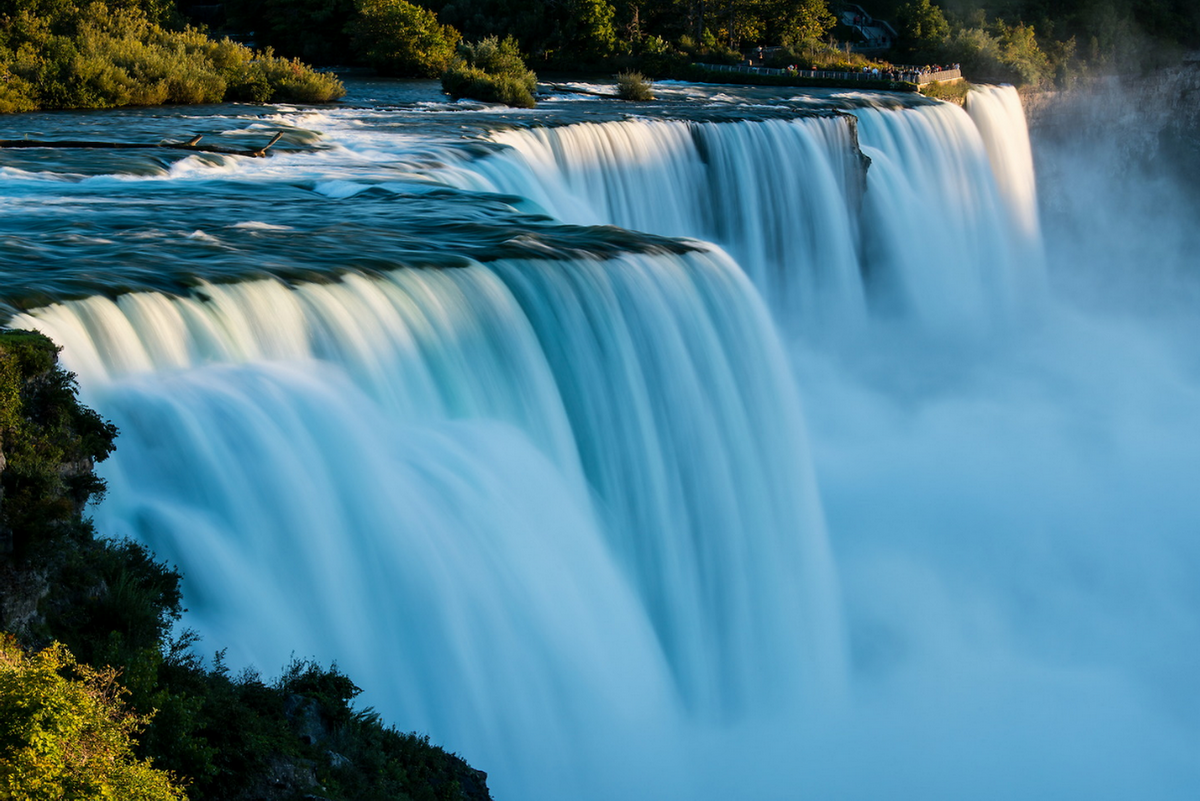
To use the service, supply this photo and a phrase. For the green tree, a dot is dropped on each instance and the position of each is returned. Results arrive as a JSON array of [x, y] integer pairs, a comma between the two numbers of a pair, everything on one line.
[[922, 26], [791, 22], [588, 28], [65, 733], [567, 32], [399, 38], [1022, 55]]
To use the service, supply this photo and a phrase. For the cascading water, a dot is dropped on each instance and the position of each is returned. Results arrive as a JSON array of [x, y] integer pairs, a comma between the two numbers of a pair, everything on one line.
[[723, 183], [786, 198], [546, 492], [702, 561]]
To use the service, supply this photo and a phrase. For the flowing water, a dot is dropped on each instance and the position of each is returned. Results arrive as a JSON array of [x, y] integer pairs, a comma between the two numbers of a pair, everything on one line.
[[737, 446]]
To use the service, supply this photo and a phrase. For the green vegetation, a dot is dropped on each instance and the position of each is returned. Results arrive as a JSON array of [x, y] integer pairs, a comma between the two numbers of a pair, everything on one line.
[[493, 71], [921, 26], [399, 38], [1036, 42], [58, 55], [65, 732], [1024, 41], [139, 701], [951, 92], [42, 429], [812, 55], [562, 33], [633, 86]]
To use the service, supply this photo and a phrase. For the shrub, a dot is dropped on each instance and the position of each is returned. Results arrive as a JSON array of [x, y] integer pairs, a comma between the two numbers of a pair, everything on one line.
[[94, 56], [293, 82], [633, 86], [493, 71], [951, 92], [65, 732]]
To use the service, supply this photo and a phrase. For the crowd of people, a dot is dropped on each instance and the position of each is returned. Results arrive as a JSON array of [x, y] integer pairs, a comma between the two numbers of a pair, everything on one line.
[[911, 74]]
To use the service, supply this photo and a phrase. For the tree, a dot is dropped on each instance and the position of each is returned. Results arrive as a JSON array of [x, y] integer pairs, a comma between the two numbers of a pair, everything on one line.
[[922, 26], [587, 29], [566, 32], [399, 38], [65, 733], [791, 22], [1020, 52]]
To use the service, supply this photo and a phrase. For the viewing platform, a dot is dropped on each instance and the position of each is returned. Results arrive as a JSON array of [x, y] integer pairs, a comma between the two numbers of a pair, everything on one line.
[[912, 78]]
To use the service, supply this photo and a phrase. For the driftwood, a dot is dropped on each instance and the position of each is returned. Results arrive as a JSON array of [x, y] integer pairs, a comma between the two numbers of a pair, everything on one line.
[[190, 145]]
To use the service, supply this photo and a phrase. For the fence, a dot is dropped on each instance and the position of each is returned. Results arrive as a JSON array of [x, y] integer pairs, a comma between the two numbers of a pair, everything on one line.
[[907, 76]]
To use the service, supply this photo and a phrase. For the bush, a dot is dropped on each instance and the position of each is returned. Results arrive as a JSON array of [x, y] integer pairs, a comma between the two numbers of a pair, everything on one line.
[[951, 92], [65, 732], [816, 55], [292, 82], [94, 56], [633, 86], [493, 71]]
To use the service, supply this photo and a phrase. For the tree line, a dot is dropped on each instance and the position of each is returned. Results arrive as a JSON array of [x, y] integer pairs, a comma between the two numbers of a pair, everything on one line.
[[1045, 41], [1024, 41], [104, 53]]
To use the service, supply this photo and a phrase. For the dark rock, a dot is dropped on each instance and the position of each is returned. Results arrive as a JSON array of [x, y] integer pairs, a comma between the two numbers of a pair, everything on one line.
[[304, 714]]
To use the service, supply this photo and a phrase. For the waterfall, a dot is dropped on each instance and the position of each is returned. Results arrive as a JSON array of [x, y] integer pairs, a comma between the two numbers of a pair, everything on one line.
[[713, 459], [533, 493], [945, 232]]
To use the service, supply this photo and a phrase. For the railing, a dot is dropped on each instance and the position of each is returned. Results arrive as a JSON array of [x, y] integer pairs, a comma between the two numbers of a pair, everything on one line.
[[907, 76], [942, 75]]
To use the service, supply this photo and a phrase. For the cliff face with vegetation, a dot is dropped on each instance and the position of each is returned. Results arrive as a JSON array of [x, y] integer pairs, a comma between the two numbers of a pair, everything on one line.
[[90, 621]]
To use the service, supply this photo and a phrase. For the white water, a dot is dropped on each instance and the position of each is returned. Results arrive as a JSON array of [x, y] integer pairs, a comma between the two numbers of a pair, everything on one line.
[[407, 453], [783, 197], [564, 515]]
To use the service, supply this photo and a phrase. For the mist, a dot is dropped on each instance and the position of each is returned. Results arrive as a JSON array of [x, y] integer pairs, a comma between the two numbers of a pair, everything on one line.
[[1014, 517]]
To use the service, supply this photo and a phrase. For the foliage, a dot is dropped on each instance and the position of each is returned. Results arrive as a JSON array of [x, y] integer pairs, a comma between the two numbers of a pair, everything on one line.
[[1034, 42], [65, 732], [1019, 51], [493, 71], [316, 31], [564, 33], [955, 92], [791, 22], [922, 27], [44, 431], [60, 55], [633, 86], [399, 38], [823, 56], [788, 22]]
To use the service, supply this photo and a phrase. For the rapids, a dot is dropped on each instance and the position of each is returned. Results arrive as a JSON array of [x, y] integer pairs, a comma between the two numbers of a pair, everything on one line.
[[741, 446]]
